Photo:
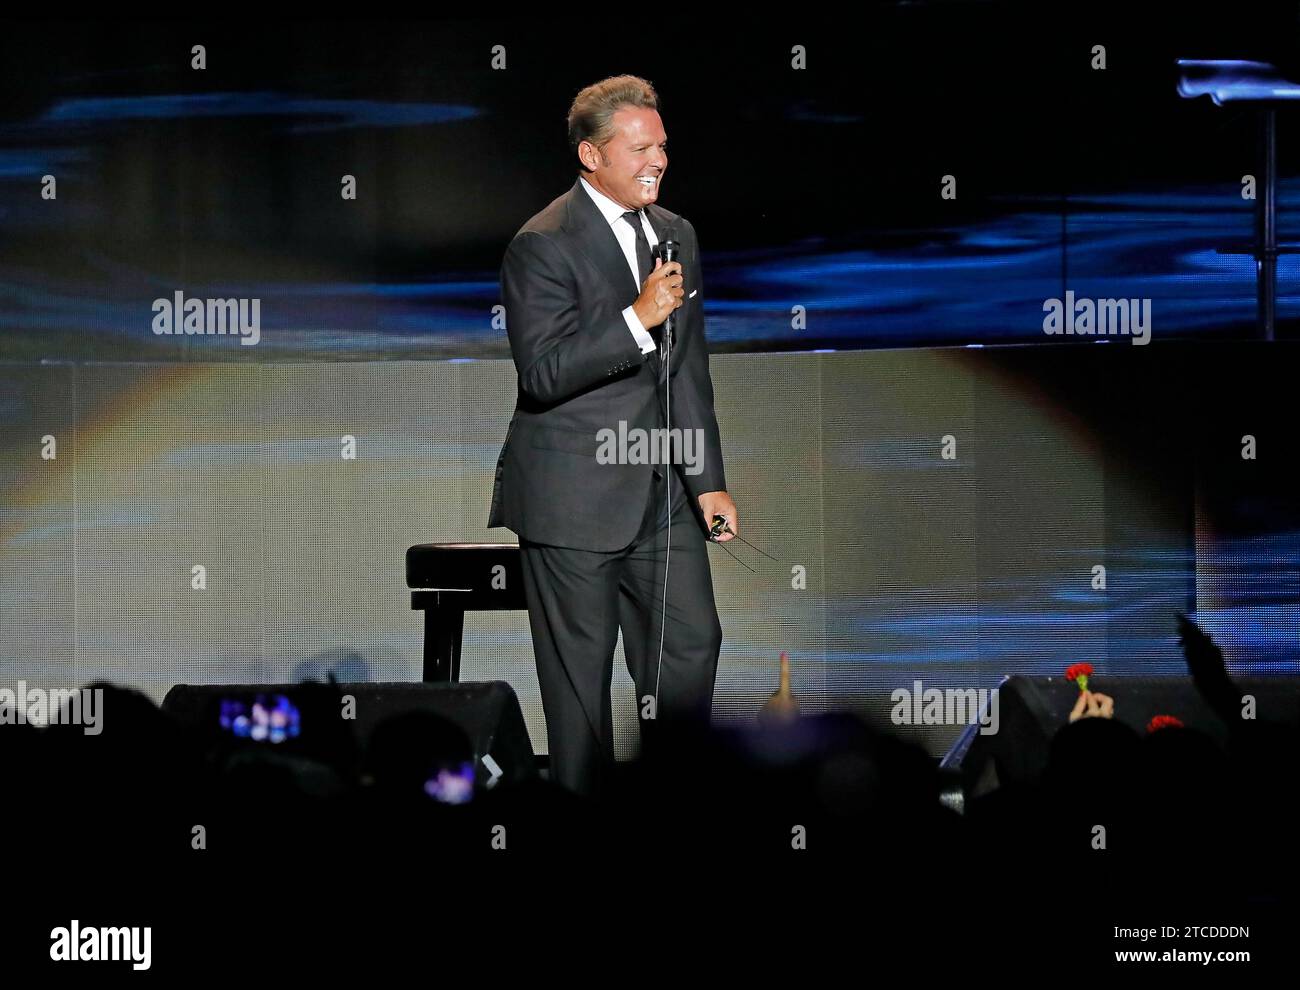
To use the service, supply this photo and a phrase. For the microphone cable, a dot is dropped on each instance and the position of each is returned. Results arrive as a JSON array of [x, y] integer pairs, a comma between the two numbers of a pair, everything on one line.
[[668, 251]]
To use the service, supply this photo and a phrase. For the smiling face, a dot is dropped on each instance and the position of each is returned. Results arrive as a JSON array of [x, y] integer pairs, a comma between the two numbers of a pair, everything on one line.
[[634, 160]]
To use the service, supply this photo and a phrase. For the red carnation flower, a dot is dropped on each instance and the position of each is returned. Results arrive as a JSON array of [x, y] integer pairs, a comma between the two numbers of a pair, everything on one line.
[[1164, 722], [1079, 673]]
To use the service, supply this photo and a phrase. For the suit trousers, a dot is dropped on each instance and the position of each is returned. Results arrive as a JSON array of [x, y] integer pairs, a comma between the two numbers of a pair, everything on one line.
[[578, 600]]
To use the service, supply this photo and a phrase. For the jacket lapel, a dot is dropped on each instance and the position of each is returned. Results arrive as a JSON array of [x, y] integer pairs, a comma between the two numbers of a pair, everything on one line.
[[658, 222], [595, 238]]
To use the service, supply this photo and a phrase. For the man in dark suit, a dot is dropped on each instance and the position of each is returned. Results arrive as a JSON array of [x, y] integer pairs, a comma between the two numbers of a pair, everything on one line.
[[585, 306]]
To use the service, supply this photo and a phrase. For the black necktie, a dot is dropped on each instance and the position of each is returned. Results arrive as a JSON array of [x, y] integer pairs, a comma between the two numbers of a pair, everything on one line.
[[643, 261]]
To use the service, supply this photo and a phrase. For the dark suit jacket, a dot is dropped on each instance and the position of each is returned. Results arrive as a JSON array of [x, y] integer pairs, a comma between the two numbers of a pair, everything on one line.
[[565, 283]]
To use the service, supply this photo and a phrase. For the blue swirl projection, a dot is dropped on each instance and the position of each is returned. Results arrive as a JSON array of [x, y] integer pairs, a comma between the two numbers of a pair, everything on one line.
[[984, 282], [1228, 81], [309, 114]]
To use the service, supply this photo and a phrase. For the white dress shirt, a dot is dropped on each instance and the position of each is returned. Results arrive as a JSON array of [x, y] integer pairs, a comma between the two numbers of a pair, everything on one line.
[[613, 213]]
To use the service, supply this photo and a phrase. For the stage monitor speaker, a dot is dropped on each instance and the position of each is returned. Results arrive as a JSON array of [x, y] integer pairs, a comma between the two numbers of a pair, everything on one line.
[[488, 713], [1032, 709]]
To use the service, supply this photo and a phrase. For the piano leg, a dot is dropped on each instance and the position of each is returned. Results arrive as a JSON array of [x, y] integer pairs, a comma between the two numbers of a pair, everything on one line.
[[443, 627]]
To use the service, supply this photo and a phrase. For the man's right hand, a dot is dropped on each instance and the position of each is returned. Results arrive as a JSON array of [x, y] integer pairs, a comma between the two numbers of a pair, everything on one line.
[[661, 294]]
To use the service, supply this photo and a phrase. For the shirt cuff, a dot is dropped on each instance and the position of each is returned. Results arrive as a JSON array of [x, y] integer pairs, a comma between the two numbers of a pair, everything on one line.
[[643, 339]]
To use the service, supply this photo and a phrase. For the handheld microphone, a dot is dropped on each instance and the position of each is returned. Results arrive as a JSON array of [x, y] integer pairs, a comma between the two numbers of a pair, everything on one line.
[[668, 251]]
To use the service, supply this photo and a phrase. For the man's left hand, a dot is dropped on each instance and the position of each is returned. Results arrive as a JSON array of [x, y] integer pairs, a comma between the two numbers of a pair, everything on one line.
[[720, 504]]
